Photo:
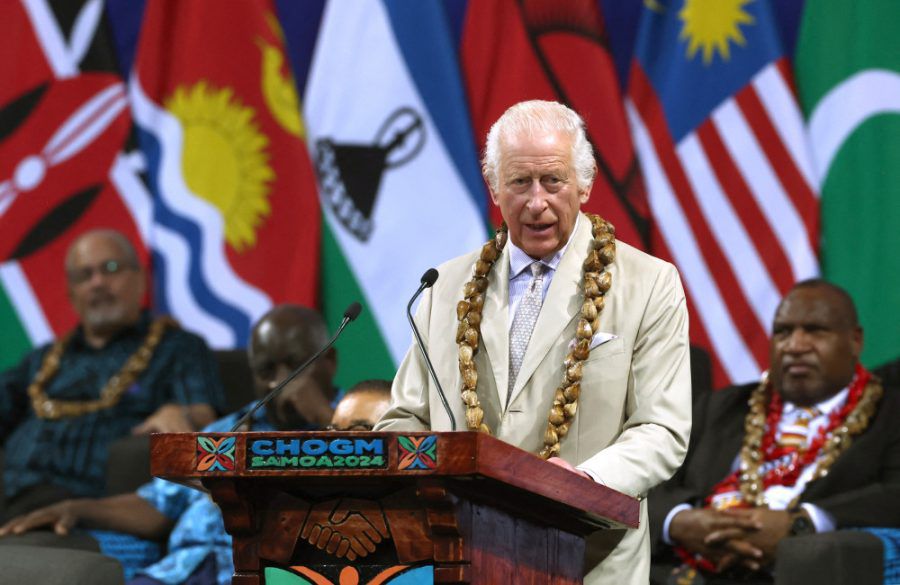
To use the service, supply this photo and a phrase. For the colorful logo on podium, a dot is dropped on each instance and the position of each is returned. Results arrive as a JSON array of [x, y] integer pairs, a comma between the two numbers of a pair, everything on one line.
[[362, 575], [215, 454], [417, 452]]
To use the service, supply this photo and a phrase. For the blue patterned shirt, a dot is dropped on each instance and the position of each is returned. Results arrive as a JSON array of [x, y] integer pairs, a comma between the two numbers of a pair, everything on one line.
[[72, 452], [199, 530]]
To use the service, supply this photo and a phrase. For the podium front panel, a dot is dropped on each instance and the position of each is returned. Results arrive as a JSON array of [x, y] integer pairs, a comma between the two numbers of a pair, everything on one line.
[[330, 507]]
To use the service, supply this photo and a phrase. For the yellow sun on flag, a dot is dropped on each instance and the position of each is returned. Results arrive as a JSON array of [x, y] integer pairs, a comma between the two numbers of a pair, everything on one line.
[[225, 159], [711, 24]]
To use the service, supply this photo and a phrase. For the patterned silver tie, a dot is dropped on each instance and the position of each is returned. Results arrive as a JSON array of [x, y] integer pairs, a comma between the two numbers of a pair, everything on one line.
[[523, 323]]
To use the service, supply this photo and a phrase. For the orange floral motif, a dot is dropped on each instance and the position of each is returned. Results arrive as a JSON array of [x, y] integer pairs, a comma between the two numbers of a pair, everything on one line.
[[299, 575]]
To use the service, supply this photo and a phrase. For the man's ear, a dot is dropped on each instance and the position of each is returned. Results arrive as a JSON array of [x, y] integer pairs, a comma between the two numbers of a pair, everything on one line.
[[494, 197], [856, 341], [585, 194]]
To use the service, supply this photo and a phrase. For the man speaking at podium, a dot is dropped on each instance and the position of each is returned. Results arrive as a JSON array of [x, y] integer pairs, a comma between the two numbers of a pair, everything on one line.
[[555, 337]]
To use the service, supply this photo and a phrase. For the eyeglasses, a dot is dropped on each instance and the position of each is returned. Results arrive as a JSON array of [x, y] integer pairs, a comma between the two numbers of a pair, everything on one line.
[[108, 268]]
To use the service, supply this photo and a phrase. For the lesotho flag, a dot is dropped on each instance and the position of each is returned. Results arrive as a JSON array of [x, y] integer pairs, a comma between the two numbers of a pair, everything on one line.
[[390, 138], [235, 215]]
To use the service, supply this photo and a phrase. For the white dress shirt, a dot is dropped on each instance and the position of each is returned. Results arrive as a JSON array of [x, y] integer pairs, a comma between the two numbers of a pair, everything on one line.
[[520, 277]]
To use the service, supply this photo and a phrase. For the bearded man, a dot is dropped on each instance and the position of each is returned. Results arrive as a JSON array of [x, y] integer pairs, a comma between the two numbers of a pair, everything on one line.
[[198, 549], [120, 371]]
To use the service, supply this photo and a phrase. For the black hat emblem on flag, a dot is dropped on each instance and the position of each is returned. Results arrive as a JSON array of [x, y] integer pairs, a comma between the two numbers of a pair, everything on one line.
[[350, 174]]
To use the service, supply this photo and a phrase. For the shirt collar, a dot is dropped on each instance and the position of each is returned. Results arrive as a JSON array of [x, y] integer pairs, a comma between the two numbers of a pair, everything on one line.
[[519, 260], [825, 407]]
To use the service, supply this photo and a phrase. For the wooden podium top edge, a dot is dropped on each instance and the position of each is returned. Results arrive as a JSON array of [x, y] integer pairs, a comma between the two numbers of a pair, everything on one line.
[[191, 457]]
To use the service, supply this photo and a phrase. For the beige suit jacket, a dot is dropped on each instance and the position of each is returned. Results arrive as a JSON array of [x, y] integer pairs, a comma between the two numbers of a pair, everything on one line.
[[634, 413]]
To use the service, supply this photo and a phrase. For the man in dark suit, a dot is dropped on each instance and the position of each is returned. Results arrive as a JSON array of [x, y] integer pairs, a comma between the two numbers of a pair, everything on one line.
[[813, 448]]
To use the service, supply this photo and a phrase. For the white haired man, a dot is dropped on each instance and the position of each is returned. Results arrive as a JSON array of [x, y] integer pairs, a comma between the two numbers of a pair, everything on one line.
[[563, 341]]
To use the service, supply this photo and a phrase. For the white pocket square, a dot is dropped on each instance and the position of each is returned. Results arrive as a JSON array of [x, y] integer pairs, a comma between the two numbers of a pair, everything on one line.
[[599, 338]]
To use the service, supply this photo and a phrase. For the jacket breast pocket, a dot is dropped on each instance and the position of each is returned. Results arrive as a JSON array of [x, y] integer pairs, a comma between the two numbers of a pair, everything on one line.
[[609, 348]]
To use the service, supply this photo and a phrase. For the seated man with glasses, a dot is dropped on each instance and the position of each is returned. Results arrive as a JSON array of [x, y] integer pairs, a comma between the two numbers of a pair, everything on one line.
[[120, 372], [198, 549]]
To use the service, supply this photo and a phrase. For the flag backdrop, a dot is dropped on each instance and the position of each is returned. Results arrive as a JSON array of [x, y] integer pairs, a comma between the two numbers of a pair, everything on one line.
[[544, 49], [724, 153], [64, 168], [388, 134], [235, 215], [848, 77], [202, 157]]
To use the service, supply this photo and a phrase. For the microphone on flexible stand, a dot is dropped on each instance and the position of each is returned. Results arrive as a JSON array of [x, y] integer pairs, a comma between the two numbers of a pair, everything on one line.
[[428, 280], [350, 314]]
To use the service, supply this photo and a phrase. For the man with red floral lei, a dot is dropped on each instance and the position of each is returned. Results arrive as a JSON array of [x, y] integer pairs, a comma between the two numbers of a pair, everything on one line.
[[812, 448]]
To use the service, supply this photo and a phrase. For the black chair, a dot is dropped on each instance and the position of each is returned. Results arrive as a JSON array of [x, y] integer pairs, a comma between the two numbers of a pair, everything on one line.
[[830, 558], [57, 566]]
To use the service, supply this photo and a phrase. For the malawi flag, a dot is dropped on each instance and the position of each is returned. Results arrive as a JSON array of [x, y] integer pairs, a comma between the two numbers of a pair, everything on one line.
[[723, 148], [848, 78], [515, 50], [64, 125], [236, 222], [398, 174]]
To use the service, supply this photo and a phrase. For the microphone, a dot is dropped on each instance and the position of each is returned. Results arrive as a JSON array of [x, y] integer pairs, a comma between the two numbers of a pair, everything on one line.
[[350, 314], [428, 280]]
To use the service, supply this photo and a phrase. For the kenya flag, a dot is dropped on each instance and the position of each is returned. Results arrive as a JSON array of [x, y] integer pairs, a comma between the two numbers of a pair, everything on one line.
[[64, 127]]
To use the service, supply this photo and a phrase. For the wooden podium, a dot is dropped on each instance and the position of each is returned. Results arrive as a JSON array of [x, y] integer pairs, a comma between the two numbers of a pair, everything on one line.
[[348, 508]]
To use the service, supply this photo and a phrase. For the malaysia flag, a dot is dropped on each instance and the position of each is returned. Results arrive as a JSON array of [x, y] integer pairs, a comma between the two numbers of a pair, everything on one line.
[[724, 153]]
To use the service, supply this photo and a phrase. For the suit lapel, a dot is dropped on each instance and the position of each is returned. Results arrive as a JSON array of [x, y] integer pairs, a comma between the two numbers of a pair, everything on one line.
[[495, 324], [562, 303], [728, 429]]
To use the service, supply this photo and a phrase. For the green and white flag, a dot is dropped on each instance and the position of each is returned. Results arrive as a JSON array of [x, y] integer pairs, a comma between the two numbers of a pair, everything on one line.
[[848, 78], [398, 175]]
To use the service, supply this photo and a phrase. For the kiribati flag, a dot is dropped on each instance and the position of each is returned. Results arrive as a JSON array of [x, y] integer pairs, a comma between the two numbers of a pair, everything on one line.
[[235, 214], [723, 149]]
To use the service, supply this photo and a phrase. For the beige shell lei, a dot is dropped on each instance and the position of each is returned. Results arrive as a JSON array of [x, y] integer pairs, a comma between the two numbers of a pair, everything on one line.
[[596, 282], [53, 409]]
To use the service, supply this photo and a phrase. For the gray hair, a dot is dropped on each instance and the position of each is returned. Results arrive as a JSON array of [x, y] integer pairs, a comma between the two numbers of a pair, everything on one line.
[[539, 116]]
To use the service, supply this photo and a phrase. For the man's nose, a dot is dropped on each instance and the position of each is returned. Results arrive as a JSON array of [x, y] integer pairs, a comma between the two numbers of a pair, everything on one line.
[[797, 341], [96, 278], [537, 197], [282, 371]]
